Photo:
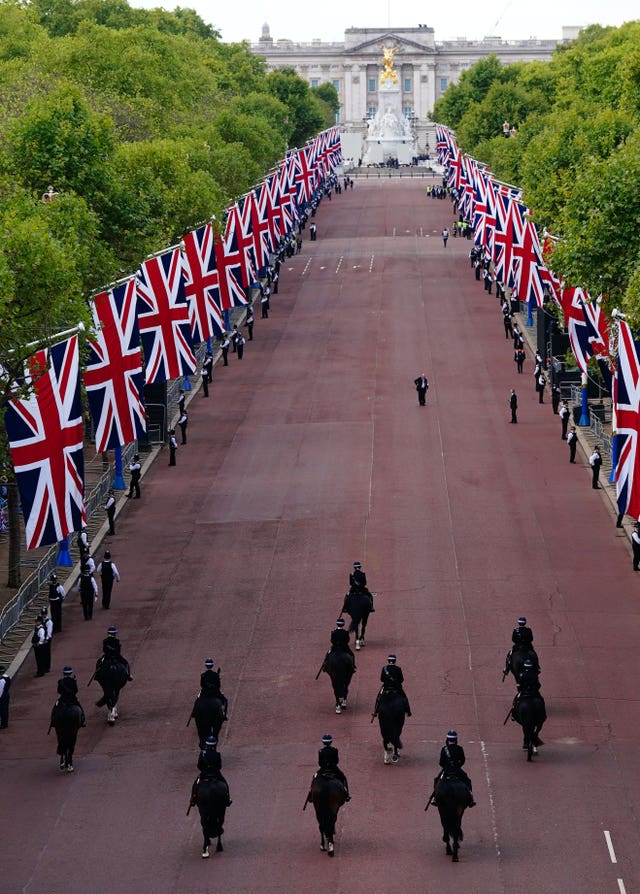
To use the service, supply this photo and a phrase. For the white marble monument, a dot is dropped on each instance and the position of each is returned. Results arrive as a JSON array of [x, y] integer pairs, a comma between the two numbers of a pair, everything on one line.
[[389, 133]]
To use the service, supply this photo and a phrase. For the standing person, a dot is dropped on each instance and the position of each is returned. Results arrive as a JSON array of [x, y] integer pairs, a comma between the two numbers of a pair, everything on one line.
[[313, 230], [445, 236], [88, 590], [84, 547], [572, 441], [519, 358], [595, 461], [635, 545], [56, 598], [110, 509], [38, 641], [207, 367], [542, 381], [240, 343], [508, 327], [422, 386], [47, 623], [234, 339], [135, 468], [108, 573], [5, 696], [555, 398], [249, 322], [224, 347], [274, 282], [564, 418], [205, 382], [183, 421], [173, 446], [181, 402], [513, 403], [264, 304]]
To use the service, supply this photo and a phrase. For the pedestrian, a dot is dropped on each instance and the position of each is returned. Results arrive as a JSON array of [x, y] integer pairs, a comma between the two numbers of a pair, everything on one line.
[[564, 418], [635, 546], [205, 382], [47, 623], [83, 545], [572, 441], [173, 446], [207, 366], [274, 282], [135, 471], [519, 358], [249, 323], [56, 598], [264, 304], [224, 347], [422, 386], [88, 590], [5, 697], [298, 245], [234, 339], [240, 343], [313, 232], [110, 509], [541, 385], [181, 401], [183, 421], [445, 236], [38, 640], [595, 461], [555, 398], [513, 403], [508, 327], [108, 573]]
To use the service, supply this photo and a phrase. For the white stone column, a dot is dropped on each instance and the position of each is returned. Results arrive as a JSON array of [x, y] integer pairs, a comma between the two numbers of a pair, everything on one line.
[[347, 99]]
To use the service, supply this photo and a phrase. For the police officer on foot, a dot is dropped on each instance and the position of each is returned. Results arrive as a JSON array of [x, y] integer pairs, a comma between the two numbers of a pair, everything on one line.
[[56, 598], [5, 696], [452, 758], [135, 470], [48, 636], [110, 509], [635, 545], [38, 641], [109, 573]]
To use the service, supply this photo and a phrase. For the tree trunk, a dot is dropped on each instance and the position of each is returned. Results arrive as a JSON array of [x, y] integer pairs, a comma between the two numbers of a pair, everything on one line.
[[15, 536]]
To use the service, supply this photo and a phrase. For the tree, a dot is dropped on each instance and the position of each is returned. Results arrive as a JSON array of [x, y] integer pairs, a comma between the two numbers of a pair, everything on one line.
[[305, 116]]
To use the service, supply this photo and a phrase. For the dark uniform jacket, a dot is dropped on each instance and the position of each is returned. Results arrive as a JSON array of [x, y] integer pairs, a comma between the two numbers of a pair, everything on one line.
[[68, 689], [528, 681], [391, 675], [328, 757], [210, 681], [522, 636], [340, 638], [209, 761], [111, 647], [358, 579], [452, 757]]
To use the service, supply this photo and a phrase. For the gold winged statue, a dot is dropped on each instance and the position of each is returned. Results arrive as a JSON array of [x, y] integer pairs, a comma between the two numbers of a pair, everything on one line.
[[389, 73]]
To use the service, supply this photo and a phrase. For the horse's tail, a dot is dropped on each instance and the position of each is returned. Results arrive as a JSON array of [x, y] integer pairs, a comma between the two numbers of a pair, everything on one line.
[[391, 714], [452, 799], [327, 795]]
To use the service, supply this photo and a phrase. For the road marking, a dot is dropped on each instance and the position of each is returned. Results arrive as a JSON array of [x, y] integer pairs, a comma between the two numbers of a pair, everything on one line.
[[306, 267], [621, 886], [371, 264], [339, 263], [487, 777], [612, 853], [394, 232]]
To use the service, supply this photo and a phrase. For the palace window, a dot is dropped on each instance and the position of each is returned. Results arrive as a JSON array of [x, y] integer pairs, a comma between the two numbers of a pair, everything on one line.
[[407, 85], [336, 84], [372, 85], [443, 84], [371, 112], [315, 82]]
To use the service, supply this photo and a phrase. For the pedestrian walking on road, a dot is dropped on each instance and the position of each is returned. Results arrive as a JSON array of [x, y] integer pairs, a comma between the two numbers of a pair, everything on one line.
[[422, 386], [595, 461], [445, 236], [108, 573], [542, 381], [173, 446], [313, 232], [135, 470], [88, 590], [635, 545], [56, 598], [572, 441], [564, 418], [249, 323], [240, 343], [110, 509], [513, 403], [519, 358], [5, 697]]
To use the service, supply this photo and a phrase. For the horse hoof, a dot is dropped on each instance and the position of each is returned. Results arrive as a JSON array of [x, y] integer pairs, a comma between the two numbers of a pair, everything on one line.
[[63, 766], [219, 847], [454, 859], [343, 702], [330, 850], [394, 758], [386, 758], [205, 853], [534, 750], [322, 847], [69, 768], [338, 709], [357, 645]]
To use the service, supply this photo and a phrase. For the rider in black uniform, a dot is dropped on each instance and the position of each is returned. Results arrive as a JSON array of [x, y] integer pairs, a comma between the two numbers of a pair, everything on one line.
[[392, 678], [111, 650], [68, 693], [340, 639], [210, 685], [522, 636], [210, 767], [328, 758], [529, 685], [452, 758], [358, 584]]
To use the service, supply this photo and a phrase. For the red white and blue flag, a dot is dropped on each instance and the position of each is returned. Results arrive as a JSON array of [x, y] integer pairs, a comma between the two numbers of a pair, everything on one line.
[[263, 242], [305, 175], [113, 377], [45, 433], [581, 320], [201, 284], [163, 318], [627, 409], [238, 238]]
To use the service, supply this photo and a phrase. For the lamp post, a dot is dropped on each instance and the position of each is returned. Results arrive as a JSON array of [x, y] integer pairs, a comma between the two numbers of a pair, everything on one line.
[[505, 128]]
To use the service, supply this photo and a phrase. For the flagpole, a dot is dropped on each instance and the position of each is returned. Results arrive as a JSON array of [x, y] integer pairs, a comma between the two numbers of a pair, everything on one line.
[[584, 418], [64, 556], [164, 251], [118, 473]]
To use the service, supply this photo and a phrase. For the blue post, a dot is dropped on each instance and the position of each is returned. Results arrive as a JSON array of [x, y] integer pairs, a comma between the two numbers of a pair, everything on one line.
[[584, 418], [209, 346], [227, 320], [530, 312], [614, 458], [64, 556], [186, 385], [118, 474]]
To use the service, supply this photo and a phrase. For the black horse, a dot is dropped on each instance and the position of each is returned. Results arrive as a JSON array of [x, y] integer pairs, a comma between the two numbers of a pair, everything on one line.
[[452, 799], [392, 708], [66, 722], [327, 796], [212, 799], [112, 675], [208, 713], [341, 667], [531, 714], [515, 660], [357, 604]]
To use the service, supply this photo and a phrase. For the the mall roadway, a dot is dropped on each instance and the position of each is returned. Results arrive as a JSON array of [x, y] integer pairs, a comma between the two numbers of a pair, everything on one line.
[[312, 453]]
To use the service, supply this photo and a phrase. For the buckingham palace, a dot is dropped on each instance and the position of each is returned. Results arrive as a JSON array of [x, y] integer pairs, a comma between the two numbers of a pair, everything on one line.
[[425, 67]]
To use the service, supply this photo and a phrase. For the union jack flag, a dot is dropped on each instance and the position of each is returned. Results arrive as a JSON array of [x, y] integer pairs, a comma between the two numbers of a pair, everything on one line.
[[305, 175], [531, 275], [45, 434], [582, 325], [263, 242], [113, 377], [272, 183], [288, 210], [201, 284], [480, 214], [627, 408], [229, 264], [508, 230], [238, 238], [163, 318]]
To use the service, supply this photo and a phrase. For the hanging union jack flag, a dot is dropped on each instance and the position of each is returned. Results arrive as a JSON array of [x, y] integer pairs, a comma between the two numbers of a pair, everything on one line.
[[45, 434], [163, 318], [202, 284], [238, 239], [113, 377], [627, 409], [585, 338], [263, 244]]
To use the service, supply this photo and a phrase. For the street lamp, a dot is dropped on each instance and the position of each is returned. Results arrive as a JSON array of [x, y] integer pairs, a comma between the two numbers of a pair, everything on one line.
[[505, 128]]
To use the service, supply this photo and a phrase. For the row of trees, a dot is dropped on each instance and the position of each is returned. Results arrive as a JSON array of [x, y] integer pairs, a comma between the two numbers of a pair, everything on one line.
[[576, 153]]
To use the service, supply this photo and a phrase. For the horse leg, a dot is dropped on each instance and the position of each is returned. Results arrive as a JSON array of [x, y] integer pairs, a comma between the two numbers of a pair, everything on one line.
[[395, 756], [448, 850], [330, 848], [219, 844], [363, 627], [322, 845]]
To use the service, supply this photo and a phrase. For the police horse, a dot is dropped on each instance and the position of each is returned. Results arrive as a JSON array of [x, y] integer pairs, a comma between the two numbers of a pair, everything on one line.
[[208, 713], [515, 659], [112, 675], [66, 722], [391, 708], [212, 799], [357, 604], [451, 798], [340, 667], [530, 713], [327, 796]]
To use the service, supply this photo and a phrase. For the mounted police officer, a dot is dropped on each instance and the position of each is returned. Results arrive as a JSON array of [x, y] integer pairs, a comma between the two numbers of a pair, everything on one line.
[[112, 651], [68, 692], [210, 684], [340, 639], [452, 758], [522, 636], [528, 683], [210, 767], [328, 758], [392, 678], [358, 583]]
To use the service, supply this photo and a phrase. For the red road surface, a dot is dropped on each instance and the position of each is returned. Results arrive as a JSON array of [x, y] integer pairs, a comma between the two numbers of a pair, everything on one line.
[[312, 453]]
